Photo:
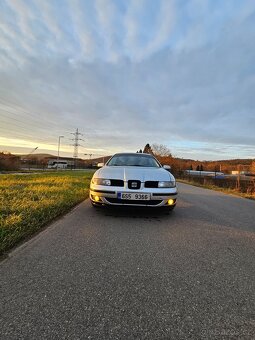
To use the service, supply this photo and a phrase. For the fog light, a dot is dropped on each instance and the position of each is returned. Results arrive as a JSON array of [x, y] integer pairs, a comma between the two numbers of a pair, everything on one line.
[[96, 198], [170, 202]]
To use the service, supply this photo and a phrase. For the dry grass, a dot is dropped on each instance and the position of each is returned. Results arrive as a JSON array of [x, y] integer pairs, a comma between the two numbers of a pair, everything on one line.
[[28, 202], [229, 191]]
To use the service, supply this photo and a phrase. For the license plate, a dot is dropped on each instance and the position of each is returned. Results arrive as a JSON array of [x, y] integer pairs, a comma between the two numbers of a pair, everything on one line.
[[134, 196]]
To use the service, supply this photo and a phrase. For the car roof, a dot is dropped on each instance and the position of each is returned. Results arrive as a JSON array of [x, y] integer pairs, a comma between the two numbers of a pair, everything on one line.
[[133, 154]]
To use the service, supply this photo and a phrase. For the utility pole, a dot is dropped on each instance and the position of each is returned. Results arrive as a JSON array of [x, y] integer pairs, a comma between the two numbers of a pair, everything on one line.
[[90, 155], [59, 137], [76, 145], [238, 177], [30, 153]]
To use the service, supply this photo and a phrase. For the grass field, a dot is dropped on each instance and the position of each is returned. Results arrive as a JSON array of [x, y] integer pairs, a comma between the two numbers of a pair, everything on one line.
[[28, 202]]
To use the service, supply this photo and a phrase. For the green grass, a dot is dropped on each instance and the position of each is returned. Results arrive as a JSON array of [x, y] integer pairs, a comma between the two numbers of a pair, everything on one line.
[[28, 202]]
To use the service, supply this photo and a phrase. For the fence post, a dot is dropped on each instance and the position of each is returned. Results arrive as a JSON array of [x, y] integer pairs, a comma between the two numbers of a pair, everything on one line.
[[238, 178]]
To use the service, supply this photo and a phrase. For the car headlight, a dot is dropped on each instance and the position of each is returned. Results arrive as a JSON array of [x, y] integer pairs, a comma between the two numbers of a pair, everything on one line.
[[166, 184], [101, 181]]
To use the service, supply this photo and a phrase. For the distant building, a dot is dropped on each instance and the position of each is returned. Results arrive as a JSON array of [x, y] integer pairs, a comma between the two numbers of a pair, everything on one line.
[[236, 172], [60, 164]]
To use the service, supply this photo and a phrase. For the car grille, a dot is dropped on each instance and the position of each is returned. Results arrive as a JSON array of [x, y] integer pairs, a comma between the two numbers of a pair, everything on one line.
[[133, 184], [151, 184], [117, 183], [165, 194], [136, 202]]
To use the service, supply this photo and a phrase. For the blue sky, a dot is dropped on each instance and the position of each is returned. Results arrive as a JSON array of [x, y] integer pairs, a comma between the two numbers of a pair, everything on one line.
[[127, 73]]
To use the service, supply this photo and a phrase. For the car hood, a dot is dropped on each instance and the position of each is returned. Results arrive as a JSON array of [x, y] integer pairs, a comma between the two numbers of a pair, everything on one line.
[[134, 173]]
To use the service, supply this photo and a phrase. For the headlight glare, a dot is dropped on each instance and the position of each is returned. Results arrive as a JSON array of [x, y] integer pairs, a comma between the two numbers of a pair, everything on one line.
[[101, 181], [166, 184]]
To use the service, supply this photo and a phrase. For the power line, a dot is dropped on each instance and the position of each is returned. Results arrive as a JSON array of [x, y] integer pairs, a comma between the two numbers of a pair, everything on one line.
[[26, 126], [20, 112], [18, 130], [32, 118], [13, 105], [11, 122], [27, 137], [21, 116], [11, 116]]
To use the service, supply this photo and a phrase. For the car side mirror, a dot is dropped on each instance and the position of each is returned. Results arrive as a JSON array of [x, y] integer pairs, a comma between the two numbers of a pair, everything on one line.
[[167, 167], [100, 165]]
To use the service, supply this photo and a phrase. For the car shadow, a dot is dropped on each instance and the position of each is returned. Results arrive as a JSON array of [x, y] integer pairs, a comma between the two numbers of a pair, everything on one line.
[[135, 212]]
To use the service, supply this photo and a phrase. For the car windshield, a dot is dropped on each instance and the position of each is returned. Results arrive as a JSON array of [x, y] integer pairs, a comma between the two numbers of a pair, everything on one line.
[[133, 160]]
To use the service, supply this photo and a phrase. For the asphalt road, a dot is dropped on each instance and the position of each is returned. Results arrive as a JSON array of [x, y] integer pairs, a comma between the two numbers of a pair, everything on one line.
[[136, 275]]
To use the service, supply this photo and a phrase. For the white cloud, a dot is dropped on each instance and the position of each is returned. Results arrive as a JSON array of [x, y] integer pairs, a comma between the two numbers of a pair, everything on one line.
[[131, 24], [106, 15], [24, 16], [9, 44], [83, 31], [9, 55], [164, 25], [46, 11], [165, 20], [126, 89]]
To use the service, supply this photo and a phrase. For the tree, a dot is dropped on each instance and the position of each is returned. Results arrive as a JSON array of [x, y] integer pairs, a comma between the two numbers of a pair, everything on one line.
[[161, 150], [164, 156], [9, 161], [148, 149], [200, 168], [253, 167]]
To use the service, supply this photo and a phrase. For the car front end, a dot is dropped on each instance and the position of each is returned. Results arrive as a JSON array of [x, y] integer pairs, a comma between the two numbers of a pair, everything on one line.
[[143, 186]]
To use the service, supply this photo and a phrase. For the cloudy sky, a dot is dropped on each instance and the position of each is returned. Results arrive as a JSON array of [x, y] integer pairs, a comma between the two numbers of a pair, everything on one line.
[[127, 73]]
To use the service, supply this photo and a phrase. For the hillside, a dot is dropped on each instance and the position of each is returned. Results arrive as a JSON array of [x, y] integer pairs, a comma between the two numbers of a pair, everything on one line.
[[38, 156], [175, 162]]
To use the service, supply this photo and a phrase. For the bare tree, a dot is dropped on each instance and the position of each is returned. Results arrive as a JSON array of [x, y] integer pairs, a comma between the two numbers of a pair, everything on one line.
[[161, 150]]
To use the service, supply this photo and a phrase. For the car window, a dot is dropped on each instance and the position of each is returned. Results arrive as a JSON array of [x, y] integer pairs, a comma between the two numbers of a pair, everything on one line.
[[133, 160]]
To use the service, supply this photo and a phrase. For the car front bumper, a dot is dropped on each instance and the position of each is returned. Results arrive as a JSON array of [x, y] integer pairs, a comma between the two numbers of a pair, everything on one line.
[[103, 195]]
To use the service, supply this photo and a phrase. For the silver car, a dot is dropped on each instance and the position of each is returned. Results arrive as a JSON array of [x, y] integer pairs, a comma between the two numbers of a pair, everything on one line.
[[133, 179]]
